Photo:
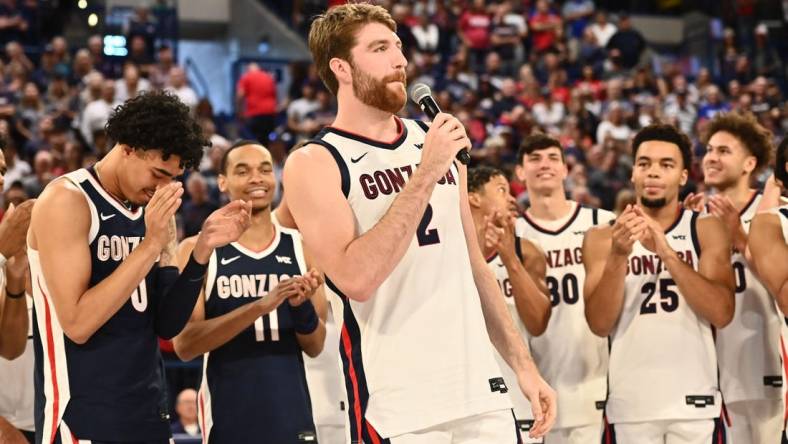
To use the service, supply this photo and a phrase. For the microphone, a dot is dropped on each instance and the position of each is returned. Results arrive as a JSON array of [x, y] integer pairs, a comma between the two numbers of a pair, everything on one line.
[[421, 95]]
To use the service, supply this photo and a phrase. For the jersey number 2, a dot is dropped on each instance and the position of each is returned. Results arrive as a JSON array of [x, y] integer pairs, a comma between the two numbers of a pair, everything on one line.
[[424, 234]]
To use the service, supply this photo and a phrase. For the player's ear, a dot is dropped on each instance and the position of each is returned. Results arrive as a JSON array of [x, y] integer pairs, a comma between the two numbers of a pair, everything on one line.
[[684, 176], [474, 200], [221, 181], [341, 69]]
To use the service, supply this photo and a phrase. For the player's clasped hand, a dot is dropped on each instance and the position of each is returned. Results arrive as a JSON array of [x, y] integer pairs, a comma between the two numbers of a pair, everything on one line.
[[308, 284], [444, 139], [223, 226], [160, 210], [628, 228]]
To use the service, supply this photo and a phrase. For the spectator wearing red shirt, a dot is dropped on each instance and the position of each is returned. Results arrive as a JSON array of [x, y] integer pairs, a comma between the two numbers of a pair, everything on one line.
[[545, 26], [256, 93], [474, 30]]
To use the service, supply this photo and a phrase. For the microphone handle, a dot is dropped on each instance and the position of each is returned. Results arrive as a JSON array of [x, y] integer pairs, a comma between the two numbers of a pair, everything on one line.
[[431, 109]]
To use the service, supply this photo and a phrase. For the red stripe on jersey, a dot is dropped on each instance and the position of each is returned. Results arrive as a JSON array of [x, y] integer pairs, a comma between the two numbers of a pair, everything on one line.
[[785, 365], [725, 416], [202, 408], [353, 380], [52, 367], [74, 438], [373, 433], [609, 429], [719, 434]]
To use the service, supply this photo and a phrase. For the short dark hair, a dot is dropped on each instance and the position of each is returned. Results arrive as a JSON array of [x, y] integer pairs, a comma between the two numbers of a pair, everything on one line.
[[664, 133], [237, 144], [158, 121], [780, 170], [480, 175], [536, 142], [745, 127]]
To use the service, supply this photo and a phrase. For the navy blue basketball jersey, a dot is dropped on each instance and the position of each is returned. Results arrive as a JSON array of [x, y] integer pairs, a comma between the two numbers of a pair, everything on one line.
[[110, 388], [254, 387]]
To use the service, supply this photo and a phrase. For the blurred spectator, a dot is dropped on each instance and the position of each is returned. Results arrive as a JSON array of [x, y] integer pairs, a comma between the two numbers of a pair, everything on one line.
[[681, 112], [473, 29], [15, 53], [98, 111], [198, 207], [713, 104], [613, 126], [14, 195], [12, 24], [427, 38], [160, 72], [509, 30], [29, 111], [83, 65], [139, 55], [141, 25], [43, 173], [181, 88], [299, 109], [256, 95], [186, 408], [602, 29], [549, 113], [103, 64], [545, 26], [577, 14], [131, 85], [626, 45], [16, 169], [61, 55]]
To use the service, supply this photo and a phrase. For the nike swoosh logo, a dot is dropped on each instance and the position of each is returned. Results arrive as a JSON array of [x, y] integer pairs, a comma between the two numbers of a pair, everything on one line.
[[418, 145], [107, 217], [501, 265], [359, 157], [226, 261]]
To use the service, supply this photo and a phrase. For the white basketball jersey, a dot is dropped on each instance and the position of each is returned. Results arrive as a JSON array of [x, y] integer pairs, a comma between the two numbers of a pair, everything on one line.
[[663, 364], [748, 349], [522, 408], [415, 354], [570, 357]]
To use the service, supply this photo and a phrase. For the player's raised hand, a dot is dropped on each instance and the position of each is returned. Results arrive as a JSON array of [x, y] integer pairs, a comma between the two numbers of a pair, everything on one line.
[[223, 226], [543, 399], [444, 139], [722, 207], [653, 236], [159, 212], [626, 230], [309, 283], [505, 223], [13, 228], [285, 289], [695, 202]]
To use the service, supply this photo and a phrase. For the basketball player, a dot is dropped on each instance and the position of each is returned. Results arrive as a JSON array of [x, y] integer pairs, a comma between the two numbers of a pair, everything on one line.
[[16, 354], [572, 359], [398, 245], [253, 386], [748, 349], [657, 280], [768, 241], [105, 284], [517, 264]]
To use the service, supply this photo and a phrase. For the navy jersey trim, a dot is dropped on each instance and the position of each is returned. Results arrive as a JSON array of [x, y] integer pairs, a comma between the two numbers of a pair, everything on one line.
[[518, 248], [595, 216], [749, 202], [423, 125], [675, 223], [343, 171], [784, 212], [694, 232], [355, 379], [394, 144], [536, 226]]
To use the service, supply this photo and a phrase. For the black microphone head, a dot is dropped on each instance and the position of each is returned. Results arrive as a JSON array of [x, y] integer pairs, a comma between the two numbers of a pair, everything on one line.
[[419, 92]]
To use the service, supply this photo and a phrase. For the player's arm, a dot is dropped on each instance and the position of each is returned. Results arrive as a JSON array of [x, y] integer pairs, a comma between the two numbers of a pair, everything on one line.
[[606, 268], [59, 228], [710, 290], [13, 303], [500, 326], [528, 289], [200, 335], [309, 316], [770, 255], [357, 265]]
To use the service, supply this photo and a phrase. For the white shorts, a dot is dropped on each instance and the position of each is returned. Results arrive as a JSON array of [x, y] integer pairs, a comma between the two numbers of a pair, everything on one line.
[[696, 431], [494, 427], [591, 433], [755, 422]]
